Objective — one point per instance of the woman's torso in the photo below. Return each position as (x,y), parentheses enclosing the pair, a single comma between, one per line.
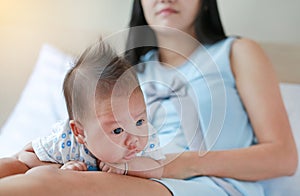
(210,84)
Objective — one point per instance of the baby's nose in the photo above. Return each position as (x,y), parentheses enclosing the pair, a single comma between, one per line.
(132,141)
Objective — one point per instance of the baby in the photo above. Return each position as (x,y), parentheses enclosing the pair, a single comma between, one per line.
(107,128)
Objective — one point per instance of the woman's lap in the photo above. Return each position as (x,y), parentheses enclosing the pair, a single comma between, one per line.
(204,185)
(200,186)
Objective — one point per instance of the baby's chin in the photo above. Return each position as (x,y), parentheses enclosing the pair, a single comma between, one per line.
(124,158)
(130,156)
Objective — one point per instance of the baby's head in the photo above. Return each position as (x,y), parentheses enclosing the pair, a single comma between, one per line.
(105,104)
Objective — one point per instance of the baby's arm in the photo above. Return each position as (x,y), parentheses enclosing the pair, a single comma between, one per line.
(29,158)
(11,166)
(143,167)
(21,162)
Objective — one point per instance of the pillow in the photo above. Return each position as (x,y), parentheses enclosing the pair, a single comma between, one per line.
(288,185)
(41,103)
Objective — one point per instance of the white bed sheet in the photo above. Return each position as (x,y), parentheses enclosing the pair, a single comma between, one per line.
(288,185)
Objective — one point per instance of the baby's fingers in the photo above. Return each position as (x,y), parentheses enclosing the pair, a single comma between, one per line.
(116,171)
(74,165)
(105,168)
(101,165)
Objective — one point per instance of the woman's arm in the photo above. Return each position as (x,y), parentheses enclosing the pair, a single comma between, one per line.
(276,153)
(21,162)
(142,167)
(145,167)
(52,181)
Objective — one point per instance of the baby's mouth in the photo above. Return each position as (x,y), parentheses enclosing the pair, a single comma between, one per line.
(130,155)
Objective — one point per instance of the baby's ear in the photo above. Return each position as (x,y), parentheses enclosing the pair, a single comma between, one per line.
(78,131)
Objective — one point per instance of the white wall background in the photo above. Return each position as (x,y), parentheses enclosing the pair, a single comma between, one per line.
(67,24)
(274,21)
(72,24)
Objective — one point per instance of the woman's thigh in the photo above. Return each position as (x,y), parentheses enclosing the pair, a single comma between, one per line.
(52,181)
(197,186)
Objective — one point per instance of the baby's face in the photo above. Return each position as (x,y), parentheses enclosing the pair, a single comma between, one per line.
(120,130)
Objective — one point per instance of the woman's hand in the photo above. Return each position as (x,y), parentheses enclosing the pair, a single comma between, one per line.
(116,168)
(74,165)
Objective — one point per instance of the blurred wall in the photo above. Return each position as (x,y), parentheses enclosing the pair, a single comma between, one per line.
(273,21)
(72,24)
(67,24)
(275,24)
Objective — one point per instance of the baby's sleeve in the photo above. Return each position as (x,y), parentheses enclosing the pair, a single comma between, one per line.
(43,148)
(153,149)
(47,148)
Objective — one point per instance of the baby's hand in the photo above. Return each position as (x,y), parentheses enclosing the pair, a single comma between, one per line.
(116,168)
(74,165)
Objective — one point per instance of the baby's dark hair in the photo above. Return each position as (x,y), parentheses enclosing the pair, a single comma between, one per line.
(92,79)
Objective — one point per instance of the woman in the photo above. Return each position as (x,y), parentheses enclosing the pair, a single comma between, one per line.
(253,141)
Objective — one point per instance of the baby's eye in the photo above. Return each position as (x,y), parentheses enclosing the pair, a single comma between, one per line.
(140,122)
(117,131)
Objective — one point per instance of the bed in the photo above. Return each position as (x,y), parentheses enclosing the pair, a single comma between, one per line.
(46,106)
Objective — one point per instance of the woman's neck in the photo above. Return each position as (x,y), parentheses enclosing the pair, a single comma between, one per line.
(175,50)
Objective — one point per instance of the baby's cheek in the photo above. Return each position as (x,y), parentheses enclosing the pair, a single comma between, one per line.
(144,141)
(111,155)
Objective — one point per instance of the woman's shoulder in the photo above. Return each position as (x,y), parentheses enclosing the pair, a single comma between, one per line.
(247,56)
(242,45)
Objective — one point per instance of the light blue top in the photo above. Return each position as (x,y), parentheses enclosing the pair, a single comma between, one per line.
(209,80)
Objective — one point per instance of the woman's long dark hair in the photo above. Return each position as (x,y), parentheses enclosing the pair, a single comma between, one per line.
(208,28)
